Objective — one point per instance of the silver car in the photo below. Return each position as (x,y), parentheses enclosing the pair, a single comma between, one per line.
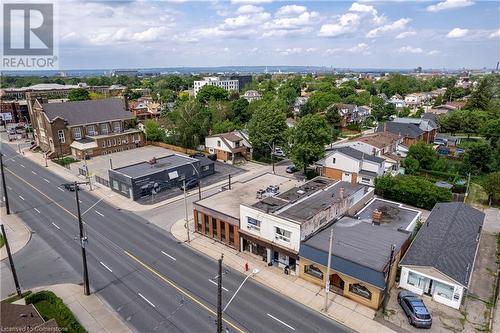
(415,309)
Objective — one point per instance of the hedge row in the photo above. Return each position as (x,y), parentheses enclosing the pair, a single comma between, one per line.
(412,190)
(55,308)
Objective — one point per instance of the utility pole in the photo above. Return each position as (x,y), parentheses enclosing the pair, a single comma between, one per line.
(272,156)
(219,296)
(7,207)
(388,280)
(327,282)
(11,262)
(83,242)
(467,190)
(186,208)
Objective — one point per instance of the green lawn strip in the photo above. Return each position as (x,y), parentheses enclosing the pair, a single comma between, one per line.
(15,297)
(2,241)
(52,307)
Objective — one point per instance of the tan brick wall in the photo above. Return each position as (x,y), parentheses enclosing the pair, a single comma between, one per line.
(332,173)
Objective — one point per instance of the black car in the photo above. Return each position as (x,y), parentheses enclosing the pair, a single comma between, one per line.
(71,187)
(415,309)
(197,155)
(291,169)
(190,183)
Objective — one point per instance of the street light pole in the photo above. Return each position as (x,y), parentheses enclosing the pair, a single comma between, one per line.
(83,243)
(186,208)
(219,296)
(254,271)
(327,283)
(11,262)
(7,207)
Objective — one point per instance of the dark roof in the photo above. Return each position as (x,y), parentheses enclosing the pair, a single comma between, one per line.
(368,173)
(88,112)
(404,129)
(359,155)
(165,163)
(19,316)
(448,241)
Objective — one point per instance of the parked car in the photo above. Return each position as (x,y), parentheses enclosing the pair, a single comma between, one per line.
(213,157)
(71,187)
(190,183)
(291,169)
(197,155)
(279,152)
(415,309)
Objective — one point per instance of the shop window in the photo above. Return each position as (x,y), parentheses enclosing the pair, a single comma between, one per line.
(214,227)
(282,234)
(415,280)
(116,185)
(231,234)
(205,221)
(313,271)
(198,221)
(443,290)
(124,189)
(360,290)
(253,224)
(223,231)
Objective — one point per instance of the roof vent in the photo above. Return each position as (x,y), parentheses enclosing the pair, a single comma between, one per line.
(152,161)
(301,192)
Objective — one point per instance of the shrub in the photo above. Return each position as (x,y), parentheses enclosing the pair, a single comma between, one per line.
(65,161)
(412,190)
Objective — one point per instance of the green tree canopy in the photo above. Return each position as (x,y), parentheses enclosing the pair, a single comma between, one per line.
(307,140)
(153,131)
(477,158)
(267,126)
(78,94)
(209,92)
(491,185)
(424,154)
(241,112)
(318,102)
(189,124)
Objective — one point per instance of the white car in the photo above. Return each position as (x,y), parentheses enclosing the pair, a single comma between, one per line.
(279,152)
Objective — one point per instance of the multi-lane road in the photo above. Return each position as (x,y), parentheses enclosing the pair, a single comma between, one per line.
(151,280)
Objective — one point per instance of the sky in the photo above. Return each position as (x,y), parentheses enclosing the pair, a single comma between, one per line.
(339,34)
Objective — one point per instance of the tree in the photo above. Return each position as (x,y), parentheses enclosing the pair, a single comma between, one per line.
(491,130)
(240,110)
(78,94)
(424,154)
(267,126)
(477,158)
(288,95)
(318,102)
(153,131)
(332,116)
(411,165)
(482,95)
(450,122)
(224,127)
(209,92)
(307,140)
(189,123)
(491,185)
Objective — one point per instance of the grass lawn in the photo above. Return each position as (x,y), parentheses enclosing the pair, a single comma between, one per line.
(15,297)
(477,195)
(2,242)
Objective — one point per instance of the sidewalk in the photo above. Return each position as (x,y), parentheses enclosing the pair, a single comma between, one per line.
(94,315)
(355,316)
(17,232)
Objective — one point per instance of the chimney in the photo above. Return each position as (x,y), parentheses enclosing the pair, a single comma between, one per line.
(376,216)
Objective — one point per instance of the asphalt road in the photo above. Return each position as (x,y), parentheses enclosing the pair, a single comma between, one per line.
(155,283)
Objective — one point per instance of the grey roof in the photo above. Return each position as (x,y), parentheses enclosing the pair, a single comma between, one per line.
(359,155)
(425,124)
(368,173)
(404,129)
(448,241)
(168,162)
(88,112)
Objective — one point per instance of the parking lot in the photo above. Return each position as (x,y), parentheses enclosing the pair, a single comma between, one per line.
(99,166)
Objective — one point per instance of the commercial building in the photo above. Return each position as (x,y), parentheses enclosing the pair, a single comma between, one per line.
(159,174)
(218,216)
(84,128)
(226,84)
(366,250)
(274,227)
(440,261)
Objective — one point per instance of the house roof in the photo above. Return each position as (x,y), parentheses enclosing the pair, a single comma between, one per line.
(230,136)
(24,318)
(359,155)
(448,241)
(404,129)
(379,139)
(87,112)
(425,124)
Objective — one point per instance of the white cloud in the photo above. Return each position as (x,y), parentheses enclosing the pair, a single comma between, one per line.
(410,49)
(360,8)
(346,23)
(457,33)
(249,9)
(149,35)
(251,2)
(394,26)
(433,52)
(495,34)
(291,10)
(406,34)
(362,48)
(449,4)
(295,50)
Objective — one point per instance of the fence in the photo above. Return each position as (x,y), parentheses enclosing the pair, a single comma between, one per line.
(173,147)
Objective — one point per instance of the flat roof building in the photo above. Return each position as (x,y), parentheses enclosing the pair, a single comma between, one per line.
(159,174)
(362,249)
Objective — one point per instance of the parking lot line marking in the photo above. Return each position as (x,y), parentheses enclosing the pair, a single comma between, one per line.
(98,213)
(22,165)
(10,188)
(60,189)
(33,172)
(281,322)
(216,284)
(147,300)
(181,290)
(55,225)
(46,180)
(106,266)
(168,255)
(21,198)
(37,210)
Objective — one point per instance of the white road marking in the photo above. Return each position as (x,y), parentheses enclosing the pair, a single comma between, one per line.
(98,213)
(33,172)
(55,225)
(60,189)
(147,300)
(80,200)
(46,180)
(21,198)
(281,322)
(22,165)
(168,255)
(106,266)
(37,210)
(216,284)
(10,188)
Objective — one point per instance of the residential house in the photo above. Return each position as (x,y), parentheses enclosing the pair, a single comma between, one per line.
(274,227)
(299,104)
(352,114)
(229,146)
(429,126)
(252,95)
(366,250)
(83,128)
(351,165)
(411,130)
(440,261)
(416,99)
(398,101)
